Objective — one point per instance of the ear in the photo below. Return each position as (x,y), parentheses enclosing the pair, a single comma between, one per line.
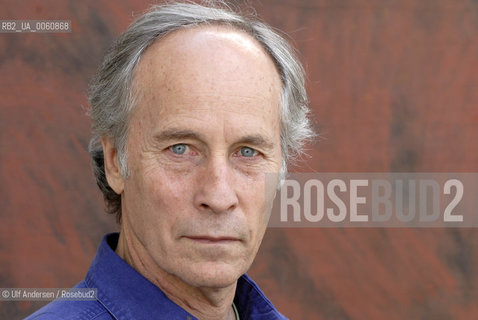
(112,166)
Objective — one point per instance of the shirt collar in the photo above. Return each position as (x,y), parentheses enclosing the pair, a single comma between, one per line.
(127,295)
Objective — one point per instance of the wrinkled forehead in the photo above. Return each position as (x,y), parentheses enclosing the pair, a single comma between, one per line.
(205,59)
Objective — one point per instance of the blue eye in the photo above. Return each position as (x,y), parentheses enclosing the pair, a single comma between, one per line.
(179,148)
(248,152)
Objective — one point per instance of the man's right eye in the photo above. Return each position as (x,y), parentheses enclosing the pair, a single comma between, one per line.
(179,148)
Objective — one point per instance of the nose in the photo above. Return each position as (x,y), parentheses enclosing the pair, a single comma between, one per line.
(215,190)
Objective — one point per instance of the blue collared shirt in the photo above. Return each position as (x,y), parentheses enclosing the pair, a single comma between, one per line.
(124,294)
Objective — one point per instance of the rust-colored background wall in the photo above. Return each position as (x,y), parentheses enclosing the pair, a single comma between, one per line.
(393,87)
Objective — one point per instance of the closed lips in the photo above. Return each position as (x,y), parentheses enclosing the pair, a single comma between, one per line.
(212,239)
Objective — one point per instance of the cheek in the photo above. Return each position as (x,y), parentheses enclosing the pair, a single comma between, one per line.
(253,205)
(158,201)
(170,196)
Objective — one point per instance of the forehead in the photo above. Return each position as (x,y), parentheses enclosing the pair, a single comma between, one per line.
(207,60)
(213,81)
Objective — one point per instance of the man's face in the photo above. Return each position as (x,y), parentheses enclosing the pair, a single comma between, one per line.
(205,131)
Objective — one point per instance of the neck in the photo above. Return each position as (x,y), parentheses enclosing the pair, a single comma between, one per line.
(203,303)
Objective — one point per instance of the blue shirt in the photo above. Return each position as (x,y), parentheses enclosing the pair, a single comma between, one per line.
(124,294)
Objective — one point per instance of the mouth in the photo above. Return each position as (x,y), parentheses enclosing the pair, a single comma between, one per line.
(212,240)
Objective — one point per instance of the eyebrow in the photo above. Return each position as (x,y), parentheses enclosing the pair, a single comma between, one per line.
(174,134)
(256,140)
(178,134)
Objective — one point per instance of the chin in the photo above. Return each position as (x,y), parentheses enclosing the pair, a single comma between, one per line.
(214,275)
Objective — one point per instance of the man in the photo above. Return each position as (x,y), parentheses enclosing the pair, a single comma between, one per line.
(190,109)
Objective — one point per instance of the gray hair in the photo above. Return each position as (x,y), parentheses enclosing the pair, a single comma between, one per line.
(112,98)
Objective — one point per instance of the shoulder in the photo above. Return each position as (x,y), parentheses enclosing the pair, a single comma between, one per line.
(72,310)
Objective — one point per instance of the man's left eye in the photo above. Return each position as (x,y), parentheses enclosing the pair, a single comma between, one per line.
(248,152)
